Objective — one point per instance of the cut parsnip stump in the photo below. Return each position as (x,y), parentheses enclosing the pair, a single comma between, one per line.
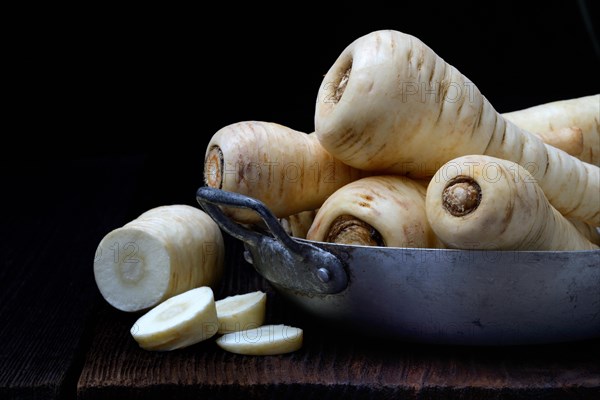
(180,321)
(164,252)
(389,103)
(558,123)
(480,202)
(241,312)
(287,170)
(376,211)
(264,341)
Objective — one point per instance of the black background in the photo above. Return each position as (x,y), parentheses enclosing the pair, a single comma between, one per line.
(159,81)
(110,110)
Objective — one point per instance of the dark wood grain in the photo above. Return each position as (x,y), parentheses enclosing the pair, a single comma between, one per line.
(330,365)
(54,217)
(56,211)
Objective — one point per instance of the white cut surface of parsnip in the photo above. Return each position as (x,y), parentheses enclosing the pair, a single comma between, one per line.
(178,322)
(241,312)
(263,341)
(165,251)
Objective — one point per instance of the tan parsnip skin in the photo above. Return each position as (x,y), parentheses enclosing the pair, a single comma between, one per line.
(375,211)
(390,103)
(591,233)
(569,140)
(286,169)
(481,202)
(297,225)
(558,123)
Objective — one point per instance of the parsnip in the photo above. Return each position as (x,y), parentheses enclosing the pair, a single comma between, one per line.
(263,341)
(241,312)
(591,233)
(481,202)
(287,170)
(178,322)
(562,120)
(297,225)
(375,211)
(165,251)
(569,140)
(390,103)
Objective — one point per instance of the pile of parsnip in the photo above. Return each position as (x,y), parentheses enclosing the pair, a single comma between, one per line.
(408,153)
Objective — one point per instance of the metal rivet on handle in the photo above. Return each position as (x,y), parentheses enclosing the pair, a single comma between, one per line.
(323,274)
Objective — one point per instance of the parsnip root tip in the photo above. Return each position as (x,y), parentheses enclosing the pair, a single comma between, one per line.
(461,196)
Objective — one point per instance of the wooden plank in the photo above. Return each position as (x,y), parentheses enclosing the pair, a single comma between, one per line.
(330,365)
(54,217)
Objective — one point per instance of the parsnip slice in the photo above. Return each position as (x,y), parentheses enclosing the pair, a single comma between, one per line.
(263,341)
(180,321)
(241,312)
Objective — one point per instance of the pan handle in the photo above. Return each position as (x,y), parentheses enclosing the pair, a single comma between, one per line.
(293,265)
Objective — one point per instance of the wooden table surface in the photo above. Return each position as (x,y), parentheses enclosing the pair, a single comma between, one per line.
(330,364)
(61,340)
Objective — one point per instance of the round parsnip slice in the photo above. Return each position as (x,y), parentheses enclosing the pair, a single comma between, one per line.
(180,321)
(264,341)
(165,251)
(241,312)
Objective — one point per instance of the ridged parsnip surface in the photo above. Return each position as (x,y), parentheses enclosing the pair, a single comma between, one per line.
(405,110)
(392,205)
(512,212)
(560,117)
(286,169)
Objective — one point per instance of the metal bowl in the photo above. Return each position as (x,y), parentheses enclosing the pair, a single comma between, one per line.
(425,295)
